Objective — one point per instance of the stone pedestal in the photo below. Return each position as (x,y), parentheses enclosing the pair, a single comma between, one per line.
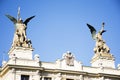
(103,60)
(21,53)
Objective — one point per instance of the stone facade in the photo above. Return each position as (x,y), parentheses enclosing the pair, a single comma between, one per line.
(17,68)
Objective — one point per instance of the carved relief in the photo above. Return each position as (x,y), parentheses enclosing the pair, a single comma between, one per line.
(69,58)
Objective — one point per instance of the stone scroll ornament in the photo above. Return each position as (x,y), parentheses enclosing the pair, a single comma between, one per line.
(20,39)
(100,46)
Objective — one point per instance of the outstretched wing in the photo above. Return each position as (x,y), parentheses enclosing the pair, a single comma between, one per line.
(102,32)
(12,19)
(28,19)
(92,30)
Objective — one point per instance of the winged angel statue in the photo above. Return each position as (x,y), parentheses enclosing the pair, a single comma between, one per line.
(100,46)
(20,31)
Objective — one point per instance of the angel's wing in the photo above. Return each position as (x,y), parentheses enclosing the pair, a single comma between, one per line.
(12,19)
(28,19)
(92,30)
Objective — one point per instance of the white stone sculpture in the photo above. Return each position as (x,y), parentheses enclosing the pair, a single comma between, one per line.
(69,58)
(100,46)
(20,39)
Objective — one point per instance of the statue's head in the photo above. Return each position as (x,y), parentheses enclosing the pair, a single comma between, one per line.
(20,20)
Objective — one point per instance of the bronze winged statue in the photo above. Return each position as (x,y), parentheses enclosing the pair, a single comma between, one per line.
(20,30)
(100,46)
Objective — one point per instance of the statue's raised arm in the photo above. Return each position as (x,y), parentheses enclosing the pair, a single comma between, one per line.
(102,29)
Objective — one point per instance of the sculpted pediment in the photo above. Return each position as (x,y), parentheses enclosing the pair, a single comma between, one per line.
(68,61)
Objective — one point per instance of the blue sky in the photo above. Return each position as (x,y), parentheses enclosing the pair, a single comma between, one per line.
(60,26)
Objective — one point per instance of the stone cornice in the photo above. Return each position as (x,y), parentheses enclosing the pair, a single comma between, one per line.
(85,73)
(19,48)
(81,73)
(107,56)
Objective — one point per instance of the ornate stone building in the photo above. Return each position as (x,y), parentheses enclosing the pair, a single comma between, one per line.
(22,66)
